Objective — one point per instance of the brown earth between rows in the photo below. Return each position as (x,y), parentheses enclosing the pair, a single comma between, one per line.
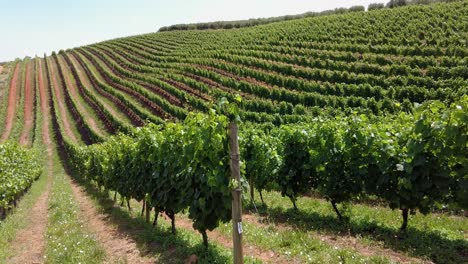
(61,104)
(11,110)
(73,90)
(266,256)
(28,107)
(29,243)
(117,246)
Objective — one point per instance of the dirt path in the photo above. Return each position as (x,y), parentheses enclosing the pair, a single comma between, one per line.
(73,90)
(61,103)
(28,106)
(266,256)
(30,242)
(119,248)
(340,241)
(11,110)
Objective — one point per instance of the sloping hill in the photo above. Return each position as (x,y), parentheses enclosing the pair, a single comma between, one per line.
(350,77)
(378,61)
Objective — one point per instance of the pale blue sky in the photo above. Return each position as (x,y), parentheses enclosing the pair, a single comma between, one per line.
(30,27)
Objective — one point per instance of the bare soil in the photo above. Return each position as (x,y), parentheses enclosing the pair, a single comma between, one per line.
(12,100)
(87,84)
(61,103)
(73,90)
(118,247)
(28,107)
(44,106)
(29,243)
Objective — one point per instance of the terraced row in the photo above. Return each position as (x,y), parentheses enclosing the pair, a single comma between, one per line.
(285,72)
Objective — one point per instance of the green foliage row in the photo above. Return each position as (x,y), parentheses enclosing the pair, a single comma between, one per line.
(169,108)
(135,113)
(323,75)
(87,132)
(109,122)
(19,167)
(410,161)
(175,166)
(104,90)
(199,86)
(339,62)
(328,75)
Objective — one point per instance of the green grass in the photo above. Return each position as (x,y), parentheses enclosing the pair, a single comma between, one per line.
(67,239)
(67,114)
(158,242)
(88,112)
(299,245)
(38,115)
(437,237)
(18,120)
(19,218)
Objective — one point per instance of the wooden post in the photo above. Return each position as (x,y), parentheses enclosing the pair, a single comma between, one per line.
(236,194)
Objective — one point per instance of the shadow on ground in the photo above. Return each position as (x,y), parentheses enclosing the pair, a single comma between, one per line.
(414,242)
(151,241)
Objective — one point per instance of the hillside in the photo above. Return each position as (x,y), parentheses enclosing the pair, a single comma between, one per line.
(380,61)
(344,117)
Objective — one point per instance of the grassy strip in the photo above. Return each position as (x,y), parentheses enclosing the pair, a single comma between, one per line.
(86,110)
(88,134)
(38,115)
(18,121)
(298,244)
(118,119)
(441,238)
(107,92)
(136,105)
(33,80)
(158,242)
(19,218)
(67,239)
(54,103)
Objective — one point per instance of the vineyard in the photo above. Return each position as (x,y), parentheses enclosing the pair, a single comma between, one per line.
(353,139)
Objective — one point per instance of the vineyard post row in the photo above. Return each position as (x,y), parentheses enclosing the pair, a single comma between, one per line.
(236,193)
(411,161)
